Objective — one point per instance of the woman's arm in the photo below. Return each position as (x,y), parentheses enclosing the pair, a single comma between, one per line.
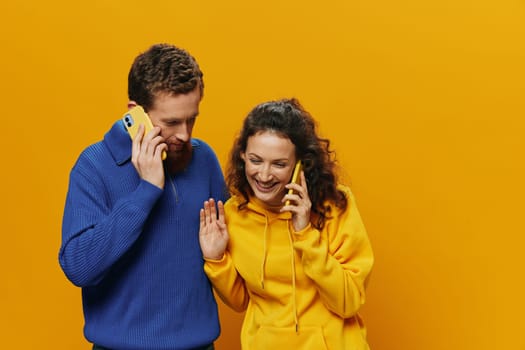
(338,259)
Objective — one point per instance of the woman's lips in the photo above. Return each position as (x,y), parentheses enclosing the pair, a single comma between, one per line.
(262,187)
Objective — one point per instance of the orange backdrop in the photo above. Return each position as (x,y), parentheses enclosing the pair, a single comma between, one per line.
(423,101)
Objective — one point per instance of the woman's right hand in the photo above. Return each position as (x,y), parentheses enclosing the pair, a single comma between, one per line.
(213,233)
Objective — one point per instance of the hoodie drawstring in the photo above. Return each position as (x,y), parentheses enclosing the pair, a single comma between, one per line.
(263,264)
(292,254)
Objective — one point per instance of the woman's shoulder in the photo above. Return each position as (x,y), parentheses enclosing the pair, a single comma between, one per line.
(350,200)
(345,189)
(233,202)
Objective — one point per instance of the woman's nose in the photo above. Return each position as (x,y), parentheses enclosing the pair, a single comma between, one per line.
(265,173)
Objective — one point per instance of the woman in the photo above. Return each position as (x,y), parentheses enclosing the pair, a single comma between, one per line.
(298,268)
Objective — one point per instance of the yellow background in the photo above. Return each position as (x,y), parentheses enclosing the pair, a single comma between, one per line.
(423,101)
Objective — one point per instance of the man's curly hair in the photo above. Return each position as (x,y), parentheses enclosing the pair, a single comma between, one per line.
(163,68)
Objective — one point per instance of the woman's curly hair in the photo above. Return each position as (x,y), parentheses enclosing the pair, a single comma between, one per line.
(288,118)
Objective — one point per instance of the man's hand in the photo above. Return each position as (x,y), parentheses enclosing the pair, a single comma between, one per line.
(146,155)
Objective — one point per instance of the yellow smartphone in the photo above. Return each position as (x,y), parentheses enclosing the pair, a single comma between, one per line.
(133,118)
(295,177)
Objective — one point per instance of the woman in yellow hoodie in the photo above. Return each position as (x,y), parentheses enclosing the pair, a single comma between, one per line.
(297,261)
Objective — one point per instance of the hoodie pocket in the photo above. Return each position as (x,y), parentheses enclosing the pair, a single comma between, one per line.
(275,338)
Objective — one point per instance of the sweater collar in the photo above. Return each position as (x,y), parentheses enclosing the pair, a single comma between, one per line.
(118,142)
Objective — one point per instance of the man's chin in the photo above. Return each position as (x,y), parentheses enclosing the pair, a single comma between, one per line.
(178,161)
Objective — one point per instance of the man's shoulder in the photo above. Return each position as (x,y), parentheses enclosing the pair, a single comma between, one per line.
(99,152)
(93,151)
(202,148)
(198,144)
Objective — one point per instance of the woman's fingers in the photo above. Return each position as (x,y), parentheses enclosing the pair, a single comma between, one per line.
(220,205)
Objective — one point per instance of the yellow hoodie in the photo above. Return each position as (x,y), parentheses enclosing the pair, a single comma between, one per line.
(300,290)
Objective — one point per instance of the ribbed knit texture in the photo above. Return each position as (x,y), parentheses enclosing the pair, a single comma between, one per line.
(134,248)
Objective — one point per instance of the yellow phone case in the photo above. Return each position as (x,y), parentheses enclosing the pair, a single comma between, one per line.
(133,118)
(295,177)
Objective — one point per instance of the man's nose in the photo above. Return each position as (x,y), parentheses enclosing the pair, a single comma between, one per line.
(183,132)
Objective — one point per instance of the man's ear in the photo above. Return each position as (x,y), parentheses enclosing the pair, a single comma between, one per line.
(132,104)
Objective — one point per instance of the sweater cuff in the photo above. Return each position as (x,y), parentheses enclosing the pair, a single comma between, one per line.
(146,195)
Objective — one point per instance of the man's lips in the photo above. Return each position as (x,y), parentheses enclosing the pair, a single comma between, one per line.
(176,147)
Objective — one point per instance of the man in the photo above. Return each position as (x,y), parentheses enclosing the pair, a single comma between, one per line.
(131,220)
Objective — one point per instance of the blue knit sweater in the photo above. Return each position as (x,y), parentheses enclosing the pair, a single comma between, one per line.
(134,248)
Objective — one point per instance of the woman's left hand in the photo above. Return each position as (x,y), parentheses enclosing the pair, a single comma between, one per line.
(299,205)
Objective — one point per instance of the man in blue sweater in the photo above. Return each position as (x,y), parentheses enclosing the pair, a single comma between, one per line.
(130,233)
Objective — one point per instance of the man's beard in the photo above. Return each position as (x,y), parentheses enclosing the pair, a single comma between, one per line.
(178,161)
